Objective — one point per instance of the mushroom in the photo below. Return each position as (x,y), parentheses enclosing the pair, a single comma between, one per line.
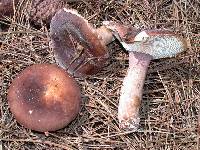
(142,47)
(43,97)
(78,47)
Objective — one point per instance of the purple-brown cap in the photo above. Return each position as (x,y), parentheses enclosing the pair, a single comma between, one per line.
(39,10)
(157,43)
(44,97)
(6,7)
(45,10)
(76,44)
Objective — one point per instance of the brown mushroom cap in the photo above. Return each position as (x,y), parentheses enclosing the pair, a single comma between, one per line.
(39,10)
(125,33)
(6,7)
(44,98)
(76,44)
(45,10)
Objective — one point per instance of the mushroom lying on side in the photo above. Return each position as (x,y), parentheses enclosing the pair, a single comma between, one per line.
(78,47)
(143,47)
(44,97)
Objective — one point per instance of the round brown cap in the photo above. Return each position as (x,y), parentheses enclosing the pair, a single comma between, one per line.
(44,97)
(76,44)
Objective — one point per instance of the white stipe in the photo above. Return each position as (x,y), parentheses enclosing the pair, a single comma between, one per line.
(141,36)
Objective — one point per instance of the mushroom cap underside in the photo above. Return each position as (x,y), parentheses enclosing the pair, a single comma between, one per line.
(44,98)
(157,43)
(76,45)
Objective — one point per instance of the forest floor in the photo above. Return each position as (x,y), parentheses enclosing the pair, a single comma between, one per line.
(170,103)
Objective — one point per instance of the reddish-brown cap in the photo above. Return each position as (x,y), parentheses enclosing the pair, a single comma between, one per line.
(6,7)
(45,10)
(39,10)
(157,43)
(44,97)
(76,44)
(125,33)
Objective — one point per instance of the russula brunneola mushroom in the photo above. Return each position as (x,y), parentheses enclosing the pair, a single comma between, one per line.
(78,47)
(145,46)
(43,97)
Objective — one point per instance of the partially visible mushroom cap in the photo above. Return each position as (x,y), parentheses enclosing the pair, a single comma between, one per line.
(125,33)
(45,10)
(6,7)
(44,97)
(76,44)
(39,10)
(157,43)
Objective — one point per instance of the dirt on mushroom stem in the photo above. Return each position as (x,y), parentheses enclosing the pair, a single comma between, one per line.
(131,91)
(142,47)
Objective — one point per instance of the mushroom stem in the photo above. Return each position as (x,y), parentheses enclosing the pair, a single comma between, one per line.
(131,91)
(105,35)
